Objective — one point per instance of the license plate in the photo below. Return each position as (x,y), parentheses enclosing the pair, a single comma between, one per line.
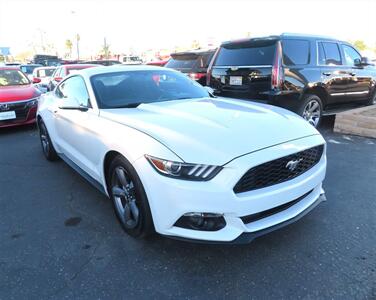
(7,115)
(235,80)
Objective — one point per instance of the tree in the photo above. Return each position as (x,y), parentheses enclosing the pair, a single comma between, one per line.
(360,45)
(69,46)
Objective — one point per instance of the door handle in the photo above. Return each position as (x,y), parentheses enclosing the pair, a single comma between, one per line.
(326,73)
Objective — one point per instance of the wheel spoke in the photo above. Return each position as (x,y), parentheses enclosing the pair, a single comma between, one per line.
(118,192)
(121,177)
(314,107)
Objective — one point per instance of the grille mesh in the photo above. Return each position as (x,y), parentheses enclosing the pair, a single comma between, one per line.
(277,171)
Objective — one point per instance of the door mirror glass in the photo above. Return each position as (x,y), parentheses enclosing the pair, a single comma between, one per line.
(357,62)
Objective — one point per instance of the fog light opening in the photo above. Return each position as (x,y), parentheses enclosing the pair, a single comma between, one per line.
(201,221)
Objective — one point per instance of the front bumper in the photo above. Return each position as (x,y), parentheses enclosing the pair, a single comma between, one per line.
(169,198)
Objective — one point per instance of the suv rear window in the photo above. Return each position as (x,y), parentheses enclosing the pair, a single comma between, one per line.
(247,53)
(295,52)
(182,62)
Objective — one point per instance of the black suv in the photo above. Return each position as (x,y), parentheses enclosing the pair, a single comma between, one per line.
(309,75)
(193,63)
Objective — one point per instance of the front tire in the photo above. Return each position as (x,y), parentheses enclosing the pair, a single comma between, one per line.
(129,198)
(372,100)
(45,140)
(311,109)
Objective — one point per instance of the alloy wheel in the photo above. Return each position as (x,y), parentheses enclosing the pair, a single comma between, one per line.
(312,112)
(123,192)
(44,139)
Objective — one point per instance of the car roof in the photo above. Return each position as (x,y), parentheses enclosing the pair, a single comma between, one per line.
(9,68)
(199,51)
(283,36)
(72,66)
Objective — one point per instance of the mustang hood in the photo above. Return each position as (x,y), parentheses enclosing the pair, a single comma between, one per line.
(213,130)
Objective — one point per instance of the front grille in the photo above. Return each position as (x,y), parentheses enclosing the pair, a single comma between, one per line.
(267,213)
(21,109)
(279,170)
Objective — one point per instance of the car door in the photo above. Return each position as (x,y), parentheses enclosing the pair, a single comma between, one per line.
(76,123)
(360,85)
(335,75)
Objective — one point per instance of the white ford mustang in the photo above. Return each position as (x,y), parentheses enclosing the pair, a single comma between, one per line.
(179,161)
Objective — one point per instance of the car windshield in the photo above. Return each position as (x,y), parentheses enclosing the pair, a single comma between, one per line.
(127,88)
(12,77)
(45,73)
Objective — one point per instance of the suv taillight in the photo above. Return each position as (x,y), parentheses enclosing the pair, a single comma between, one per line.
(196,76)
(277,72)
(209,70)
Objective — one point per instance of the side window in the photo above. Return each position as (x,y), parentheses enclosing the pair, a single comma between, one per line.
(332,54)
(350,55)
(59,91)
(74,89)
(295,52)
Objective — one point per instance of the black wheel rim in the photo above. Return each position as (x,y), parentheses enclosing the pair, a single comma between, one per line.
(124,196)
(44,139)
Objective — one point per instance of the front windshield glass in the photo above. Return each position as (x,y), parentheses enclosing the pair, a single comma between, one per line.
(12,77)
(122,89)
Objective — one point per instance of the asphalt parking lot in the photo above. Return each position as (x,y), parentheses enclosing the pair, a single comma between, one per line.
(59,238)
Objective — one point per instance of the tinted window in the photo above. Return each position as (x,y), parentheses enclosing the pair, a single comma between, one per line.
(332,54)
(246,54)
(295,52)
(182,62)
(119,89)
(350,55)
(75,90)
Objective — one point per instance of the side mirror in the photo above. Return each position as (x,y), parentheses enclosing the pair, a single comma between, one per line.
(58,79)
(364,61)
(36,80)
(73,104)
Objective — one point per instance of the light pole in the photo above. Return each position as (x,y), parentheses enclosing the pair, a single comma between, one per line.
(77,35)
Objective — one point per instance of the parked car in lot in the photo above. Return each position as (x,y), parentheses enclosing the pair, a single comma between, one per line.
(103,62)
(64,70)
(158,63)
(131,60)
(41,77)
(175,159)
(18,98)
(192,63)
(310,75)
(28,69)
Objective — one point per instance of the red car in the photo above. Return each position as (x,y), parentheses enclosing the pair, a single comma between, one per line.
(65,70)
(159,63)
(18,98)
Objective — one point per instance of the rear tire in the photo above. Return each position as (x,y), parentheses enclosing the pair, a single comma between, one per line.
(45,140)
(311,109)
(129,198)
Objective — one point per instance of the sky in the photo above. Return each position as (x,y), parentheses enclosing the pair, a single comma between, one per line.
(143,24)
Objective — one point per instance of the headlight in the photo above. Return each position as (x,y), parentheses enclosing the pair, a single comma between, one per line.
(184,171)
(33,102)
